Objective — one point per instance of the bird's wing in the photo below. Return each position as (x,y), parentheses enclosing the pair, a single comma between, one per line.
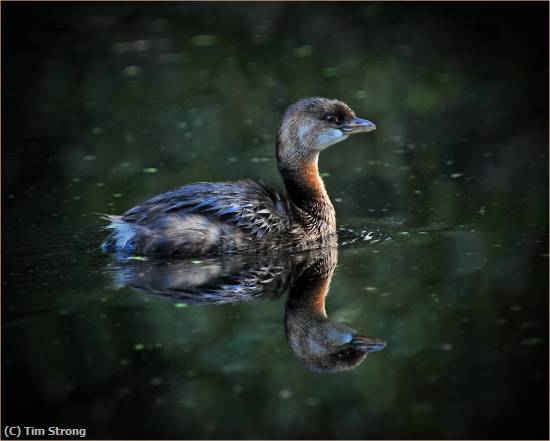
(217,280)
(252,207)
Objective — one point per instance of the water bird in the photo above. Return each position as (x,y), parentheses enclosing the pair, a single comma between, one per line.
(319,343)
(207,218)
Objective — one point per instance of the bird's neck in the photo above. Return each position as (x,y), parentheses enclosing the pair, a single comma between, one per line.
(307,191)
(310,289)
(305,315)
(307,298)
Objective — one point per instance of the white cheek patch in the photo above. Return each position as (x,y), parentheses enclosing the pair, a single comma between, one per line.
(339,337)
(303,133)
(328,138)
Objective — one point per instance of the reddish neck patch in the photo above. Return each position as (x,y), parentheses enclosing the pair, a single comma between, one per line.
(307,191)
(312,180)
(303,183)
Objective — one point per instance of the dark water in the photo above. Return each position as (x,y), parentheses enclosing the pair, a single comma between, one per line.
(104,105)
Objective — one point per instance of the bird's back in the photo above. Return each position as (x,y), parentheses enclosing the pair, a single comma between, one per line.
(205,218)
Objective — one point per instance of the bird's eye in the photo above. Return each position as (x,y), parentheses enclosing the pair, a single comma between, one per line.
(343,354)
(334,119)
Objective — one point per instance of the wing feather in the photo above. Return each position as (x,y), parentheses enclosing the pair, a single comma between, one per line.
(255,208)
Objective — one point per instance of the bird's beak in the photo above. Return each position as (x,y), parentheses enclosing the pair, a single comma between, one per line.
(367,344)
(358,125)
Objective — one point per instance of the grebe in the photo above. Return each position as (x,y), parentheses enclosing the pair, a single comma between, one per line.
(216,218)
(319,343)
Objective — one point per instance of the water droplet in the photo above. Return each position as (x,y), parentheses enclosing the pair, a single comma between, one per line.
(204,40)
(132,71)
(129,138)
(303,51)
(330,72)
(361,94)
(141,45)
(121,47)
(285,394)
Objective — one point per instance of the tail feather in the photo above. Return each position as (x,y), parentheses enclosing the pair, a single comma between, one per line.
(121,235)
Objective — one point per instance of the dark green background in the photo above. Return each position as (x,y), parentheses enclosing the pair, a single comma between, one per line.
(106,104)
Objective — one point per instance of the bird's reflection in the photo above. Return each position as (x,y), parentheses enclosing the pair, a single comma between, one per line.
(321,345)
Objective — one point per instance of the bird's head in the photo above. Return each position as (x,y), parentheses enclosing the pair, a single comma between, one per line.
(313,124)
(330,347)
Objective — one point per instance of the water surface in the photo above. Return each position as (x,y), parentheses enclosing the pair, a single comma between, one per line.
(443,248)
